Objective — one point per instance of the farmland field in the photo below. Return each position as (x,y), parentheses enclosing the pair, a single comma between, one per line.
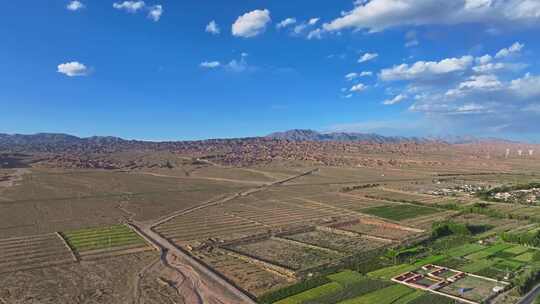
(383,296)
(33,252)
(400,212)
(286,254)
(106,241)
(338,242)
(380,229)
(250,277)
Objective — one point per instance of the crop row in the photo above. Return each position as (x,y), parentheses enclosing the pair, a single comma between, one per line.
(32,252)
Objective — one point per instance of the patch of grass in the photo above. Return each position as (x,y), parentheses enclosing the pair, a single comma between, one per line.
(314,293)
(517,250)
(430,298)
(477,265)
(102,238)
(492,272)
(429,260)
(525,257)
(352,290)
(400,212)
(392,271)
(508,265)
(454,263)
(464,250)
(386,295)
(410,297)
(488,251)
(347,277)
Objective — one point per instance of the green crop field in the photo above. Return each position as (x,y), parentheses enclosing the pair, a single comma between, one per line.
(433,259)
(488,251)
(317,292)
(347,277)
(386,295)
(465,250)
(410,297)
(354,286)
(517,250)
(392,271)
(430,298)
(525,257)
(477,265)
(400,212)
(101,238)
(509,265)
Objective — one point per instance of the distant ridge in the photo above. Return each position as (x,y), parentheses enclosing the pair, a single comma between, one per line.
(60,142)
(311,135)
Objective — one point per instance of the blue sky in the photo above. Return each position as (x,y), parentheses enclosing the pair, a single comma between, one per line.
(158,70)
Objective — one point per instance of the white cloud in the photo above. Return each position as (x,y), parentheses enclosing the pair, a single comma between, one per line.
(75,5)
(426,69)
(251,24)
(314,34)
(353,75)
(513,49)
(411,39)
(368,57)
(378,15)
(489,67)
(210,64)
(358,87)
(527,87)
(129,6)
(313,21)
(155,12)
(484,59)
(235,65)
(399,98)
(286,22)
(73,69)
(213,28)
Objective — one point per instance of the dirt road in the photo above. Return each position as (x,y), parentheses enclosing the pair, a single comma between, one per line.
(196,283)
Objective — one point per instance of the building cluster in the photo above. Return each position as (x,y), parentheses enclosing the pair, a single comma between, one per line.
(528,196)
(458,190)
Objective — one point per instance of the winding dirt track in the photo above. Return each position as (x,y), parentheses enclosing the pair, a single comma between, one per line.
(193,281)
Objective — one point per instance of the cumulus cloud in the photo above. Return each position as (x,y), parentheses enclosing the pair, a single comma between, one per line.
(251,24)
(213,28)
(313,21)
(75,5)
(354,75)
(487,93)
(513,49)
(368,57)
(314,34)
(427,69)
(210,64)
(286,22)
(399,98)
(378,15)
(129,6)
(358,87)
(72,69)
(155,12)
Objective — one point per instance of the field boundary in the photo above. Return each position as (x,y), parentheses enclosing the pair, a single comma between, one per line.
(75,256)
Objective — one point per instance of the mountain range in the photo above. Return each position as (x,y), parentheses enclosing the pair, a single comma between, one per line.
(40,141)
